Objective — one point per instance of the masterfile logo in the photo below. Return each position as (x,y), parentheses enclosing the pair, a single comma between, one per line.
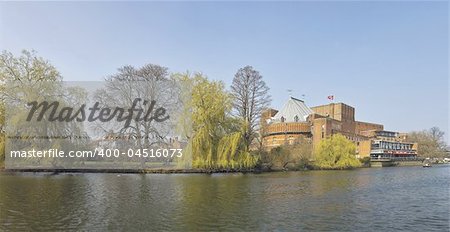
(110,124)
(95,113)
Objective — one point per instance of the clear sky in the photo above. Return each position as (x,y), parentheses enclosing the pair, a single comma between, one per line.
(389,60)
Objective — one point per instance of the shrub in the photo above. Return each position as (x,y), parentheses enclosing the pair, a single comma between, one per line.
(336,152)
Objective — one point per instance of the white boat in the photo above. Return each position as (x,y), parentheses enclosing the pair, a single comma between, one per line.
(426,165)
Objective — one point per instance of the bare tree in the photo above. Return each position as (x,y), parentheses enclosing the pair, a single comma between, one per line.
(430,142)
(251,97)
(438,136)
(150,83)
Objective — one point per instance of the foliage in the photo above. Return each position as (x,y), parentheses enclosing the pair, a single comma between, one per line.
(26,78)
(26,67)
(430,142)
(185,84)
(292,156)
(250,97)
(365,161)
(277,158)
(25,70)
(216,138)
(336,152)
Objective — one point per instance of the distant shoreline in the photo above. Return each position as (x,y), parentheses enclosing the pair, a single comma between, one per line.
(130,171)
(172,171)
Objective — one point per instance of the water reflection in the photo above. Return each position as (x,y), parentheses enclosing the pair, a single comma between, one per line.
(367,199)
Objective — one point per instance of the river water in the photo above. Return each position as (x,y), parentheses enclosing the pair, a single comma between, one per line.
(371,199)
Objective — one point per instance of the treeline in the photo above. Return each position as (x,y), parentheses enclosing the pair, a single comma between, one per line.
(219,126)
(336,152)
(216,138)
(430,142)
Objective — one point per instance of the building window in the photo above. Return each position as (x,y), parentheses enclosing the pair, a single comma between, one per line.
(282,119)
(296,118)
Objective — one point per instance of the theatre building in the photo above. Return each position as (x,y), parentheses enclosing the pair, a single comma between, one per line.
(297,120)
(388,144)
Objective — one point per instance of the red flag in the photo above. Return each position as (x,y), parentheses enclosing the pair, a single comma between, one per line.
(331,97)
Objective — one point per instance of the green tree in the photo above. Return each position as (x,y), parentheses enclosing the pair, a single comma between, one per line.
(18,77)
(336,152)
(215,137)
(26,78)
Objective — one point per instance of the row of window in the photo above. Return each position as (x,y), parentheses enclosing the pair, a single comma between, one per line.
(296,119)
(386,134)
(291,140)
(392,146)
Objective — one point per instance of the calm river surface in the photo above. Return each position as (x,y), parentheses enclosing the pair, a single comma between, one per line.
(375,199)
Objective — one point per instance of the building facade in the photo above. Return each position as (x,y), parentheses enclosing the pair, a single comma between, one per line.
(389,144)
(297,120)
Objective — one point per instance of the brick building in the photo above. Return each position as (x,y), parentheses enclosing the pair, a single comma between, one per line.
(296,120)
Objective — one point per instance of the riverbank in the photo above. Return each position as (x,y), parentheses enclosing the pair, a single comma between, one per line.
(184,171)
(132,171)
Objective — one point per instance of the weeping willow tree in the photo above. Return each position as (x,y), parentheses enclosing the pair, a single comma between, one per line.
(215,138)
(29,78)
(336,152)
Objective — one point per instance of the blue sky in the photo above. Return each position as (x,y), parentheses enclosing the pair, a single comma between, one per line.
(387,59)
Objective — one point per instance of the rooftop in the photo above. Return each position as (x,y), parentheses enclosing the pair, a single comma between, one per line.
(295,110)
